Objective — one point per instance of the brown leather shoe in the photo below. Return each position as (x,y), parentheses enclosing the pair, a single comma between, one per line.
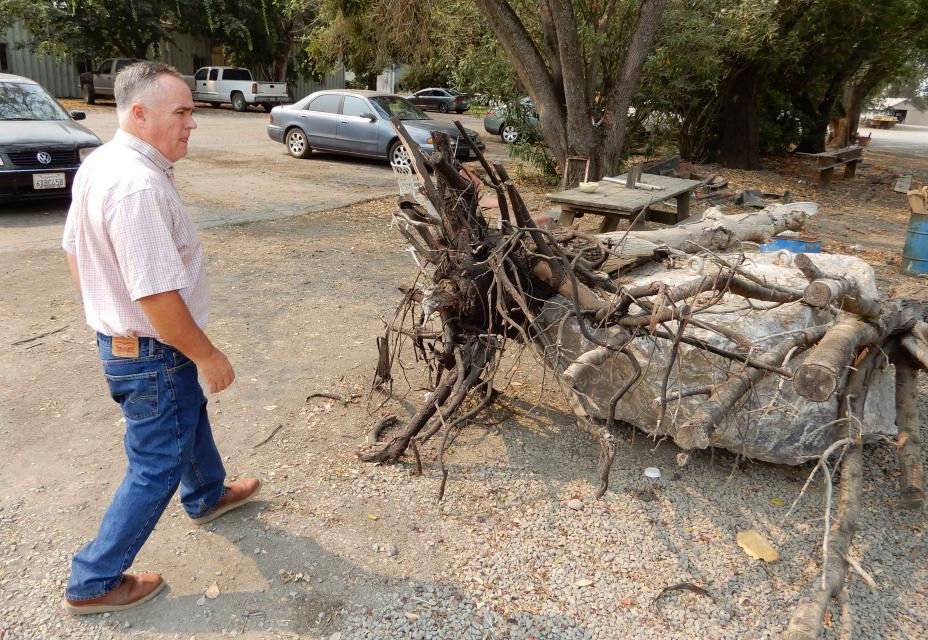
(131,592)
(238,493)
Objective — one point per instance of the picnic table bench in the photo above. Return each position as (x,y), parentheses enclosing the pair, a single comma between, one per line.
(614,201)
(827,161)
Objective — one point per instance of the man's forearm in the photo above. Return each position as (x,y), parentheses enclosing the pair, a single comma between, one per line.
(169,315)
(75,276)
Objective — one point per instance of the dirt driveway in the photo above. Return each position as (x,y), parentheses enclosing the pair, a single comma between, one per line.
(335,549)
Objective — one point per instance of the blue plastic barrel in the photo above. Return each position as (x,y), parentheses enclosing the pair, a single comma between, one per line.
(915,252)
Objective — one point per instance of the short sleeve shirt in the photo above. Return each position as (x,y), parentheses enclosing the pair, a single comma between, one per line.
(132,238)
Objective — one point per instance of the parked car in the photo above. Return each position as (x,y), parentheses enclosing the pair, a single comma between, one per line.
(358,123)
(509,122)
(235,85)
(440,99)
(99,83)
(41,145)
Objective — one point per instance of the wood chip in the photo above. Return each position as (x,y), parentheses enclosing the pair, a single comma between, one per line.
(757,546)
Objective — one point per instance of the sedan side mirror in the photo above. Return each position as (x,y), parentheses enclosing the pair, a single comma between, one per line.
(78,115)
(369,116)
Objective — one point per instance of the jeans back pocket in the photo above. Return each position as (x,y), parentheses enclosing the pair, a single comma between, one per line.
(137,394)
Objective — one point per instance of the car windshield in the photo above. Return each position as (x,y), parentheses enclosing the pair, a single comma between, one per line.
(21,101)
(402,108)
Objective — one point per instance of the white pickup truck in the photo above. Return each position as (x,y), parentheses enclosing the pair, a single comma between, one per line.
(218,85)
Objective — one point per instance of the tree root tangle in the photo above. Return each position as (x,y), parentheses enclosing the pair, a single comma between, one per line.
(483,288)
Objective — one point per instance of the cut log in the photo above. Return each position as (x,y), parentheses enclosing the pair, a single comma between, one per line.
(908,443)
(827,365)
(841,291)
(715,232)
(824,371)
(917,347)
(696,433)
(808,616)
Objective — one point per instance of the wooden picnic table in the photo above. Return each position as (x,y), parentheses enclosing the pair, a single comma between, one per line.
(826,162)
(615,201)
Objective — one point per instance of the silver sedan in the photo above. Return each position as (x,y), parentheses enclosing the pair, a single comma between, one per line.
(358,123)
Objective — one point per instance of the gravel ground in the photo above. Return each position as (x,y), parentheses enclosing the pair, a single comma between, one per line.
(337,550)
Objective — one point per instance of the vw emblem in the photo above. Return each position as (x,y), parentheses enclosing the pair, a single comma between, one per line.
(44,157)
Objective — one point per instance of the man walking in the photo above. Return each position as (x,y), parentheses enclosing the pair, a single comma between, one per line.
(136,257)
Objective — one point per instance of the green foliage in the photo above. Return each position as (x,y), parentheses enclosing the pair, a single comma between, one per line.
(807,52)
(95,29)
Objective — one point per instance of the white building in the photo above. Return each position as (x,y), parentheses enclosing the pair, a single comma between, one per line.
(906,110)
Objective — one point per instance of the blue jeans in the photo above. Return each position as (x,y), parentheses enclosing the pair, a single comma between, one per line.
(168,443)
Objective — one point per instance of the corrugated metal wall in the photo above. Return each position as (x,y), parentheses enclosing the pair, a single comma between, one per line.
(303,87)
(58,75)
(186,54)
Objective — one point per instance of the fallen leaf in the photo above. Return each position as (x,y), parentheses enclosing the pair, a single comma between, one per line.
(213,592)
(628,602)
(777,502)
(583,582)
(373,516)
(756,545)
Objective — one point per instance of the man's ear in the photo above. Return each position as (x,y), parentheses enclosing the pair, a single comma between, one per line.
(138,112)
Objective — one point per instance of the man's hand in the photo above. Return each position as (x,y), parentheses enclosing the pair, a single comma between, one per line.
(169,315)
(216,371)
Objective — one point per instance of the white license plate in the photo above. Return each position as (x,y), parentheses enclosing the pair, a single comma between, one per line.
(48,181)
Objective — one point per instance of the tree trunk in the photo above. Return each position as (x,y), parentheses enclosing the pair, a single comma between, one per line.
(852,101)
(739,147)
(620,97)
(372,81)
(558,77)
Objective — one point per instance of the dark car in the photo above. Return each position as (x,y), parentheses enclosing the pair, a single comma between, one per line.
(41,146)
(358,123)
(440,99)
(509,122)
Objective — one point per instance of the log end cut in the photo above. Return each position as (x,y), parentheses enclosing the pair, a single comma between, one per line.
(815,382)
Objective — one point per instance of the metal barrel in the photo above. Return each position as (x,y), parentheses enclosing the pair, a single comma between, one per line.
(915,252)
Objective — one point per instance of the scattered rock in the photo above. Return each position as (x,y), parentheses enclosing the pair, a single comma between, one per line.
(575,504)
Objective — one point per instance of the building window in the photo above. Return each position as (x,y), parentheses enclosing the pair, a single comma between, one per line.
(4,64)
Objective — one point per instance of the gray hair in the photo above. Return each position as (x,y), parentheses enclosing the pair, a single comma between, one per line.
(139,81)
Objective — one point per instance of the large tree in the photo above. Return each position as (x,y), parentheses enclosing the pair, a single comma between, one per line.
(580,63)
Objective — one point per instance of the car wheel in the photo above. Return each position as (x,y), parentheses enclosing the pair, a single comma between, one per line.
(398,154)
(298,144)
(509,134)
(87,94)
(238,102)
(443,107)
(215,105)
(267,106)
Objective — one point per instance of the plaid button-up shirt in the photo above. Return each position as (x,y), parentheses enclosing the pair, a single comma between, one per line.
(132,238)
